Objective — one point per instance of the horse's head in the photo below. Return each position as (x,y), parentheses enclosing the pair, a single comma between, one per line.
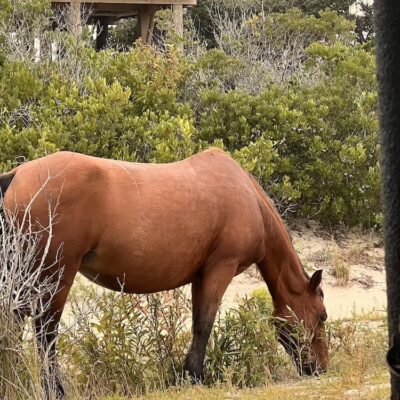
(300,327)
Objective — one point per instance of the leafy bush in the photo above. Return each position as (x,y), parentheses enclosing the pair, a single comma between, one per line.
(131,344)
(310,139)
(127,344)
(243,349)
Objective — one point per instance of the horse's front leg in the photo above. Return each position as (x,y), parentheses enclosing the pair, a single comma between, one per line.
(207,292)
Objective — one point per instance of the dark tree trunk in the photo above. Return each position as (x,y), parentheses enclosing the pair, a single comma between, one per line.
(387,17)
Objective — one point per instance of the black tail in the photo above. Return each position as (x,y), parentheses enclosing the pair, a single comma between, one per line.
(5,180)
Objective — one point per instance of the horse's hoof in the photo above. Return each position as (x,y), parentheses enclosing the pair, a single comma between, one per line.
(193,377)
(60,392)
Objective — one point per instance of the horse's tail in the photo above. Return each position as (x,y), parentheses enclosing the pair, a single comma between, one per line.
(5,181)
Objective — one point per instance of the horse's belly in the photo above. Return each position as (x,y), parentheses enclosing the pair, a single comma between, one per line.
(126,274)
(128,285)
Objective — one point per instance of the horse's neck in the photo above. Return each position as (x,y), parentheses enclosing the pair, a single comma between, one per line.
(281,268)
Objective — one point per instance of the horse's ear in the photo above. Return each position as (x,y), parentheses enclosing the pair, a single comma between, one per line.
(315,280)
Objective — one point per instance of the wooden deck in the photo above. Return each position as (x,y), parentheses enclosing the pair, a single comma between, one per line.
(123,8)
(105,12)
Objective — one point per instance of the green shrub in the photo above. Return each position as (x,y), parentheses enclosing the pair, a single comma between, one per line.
(126,344)
(243,349)
(131,344)
(311,140)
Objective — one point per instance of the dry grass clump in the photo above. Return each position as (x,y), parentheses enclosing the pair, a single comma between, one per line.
(24,300)
(340,269)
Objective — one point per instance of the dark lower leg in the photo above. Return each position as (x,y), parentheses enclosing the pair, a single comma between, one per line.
(46,334)
(207,294)
(194,362)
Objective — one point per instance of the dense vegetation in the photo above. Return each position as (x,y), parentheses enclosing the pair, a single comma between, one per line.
(291,95)
(287,89)
(132,344)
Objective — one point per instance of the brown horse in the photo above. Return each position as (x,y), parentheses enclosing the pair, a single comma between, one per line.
(157,227)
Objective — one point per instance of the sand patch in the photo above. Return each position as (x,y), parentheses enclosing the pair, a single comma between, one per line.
(361,252)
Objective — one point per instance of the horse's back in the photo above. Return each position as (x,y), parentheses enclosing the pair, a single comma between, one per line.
(151,225)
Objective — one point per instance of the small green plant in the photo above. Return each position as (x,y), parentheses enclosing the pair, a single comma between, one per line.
(243,349)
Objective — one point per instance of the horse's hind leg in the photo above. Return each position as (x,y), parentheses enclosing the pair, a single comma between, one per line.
(46,334)
(207,292)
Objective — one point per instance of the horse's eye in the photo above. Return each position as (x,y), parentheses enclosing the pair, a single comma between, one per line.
(323,317)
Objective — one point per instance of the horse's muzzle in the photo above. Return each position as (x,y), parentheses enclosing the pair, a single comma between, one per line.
(311,369)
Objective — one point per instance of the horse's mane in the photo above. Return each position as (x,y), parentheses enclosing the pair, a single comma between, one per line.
(275,211)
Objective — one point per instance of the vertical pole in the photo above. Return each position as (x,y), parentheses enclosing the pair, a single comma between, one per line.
(54,51)
(74,18)
(146,23)
(387,17)
(102,32)
(36,46)
(54,45)
(145,26)
(177,16)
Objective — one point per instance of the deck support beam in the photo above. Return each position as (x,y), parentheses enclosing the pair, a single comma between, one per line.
(102,32)
(74,18)
(177,18)
(144,10)
(145,24)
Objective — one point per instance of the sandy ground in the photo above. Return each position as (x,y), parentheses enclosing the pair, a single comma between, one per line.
(361,253)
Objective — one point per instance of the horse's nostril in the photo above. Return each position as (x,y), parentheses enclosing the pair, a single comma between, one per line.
(308,369)
(322,370)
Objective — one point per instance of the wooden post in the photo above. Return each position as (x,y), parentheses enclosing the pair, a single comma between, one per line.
(102,32)
(146,23)
(36,46)
(177,16)
(74,18)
